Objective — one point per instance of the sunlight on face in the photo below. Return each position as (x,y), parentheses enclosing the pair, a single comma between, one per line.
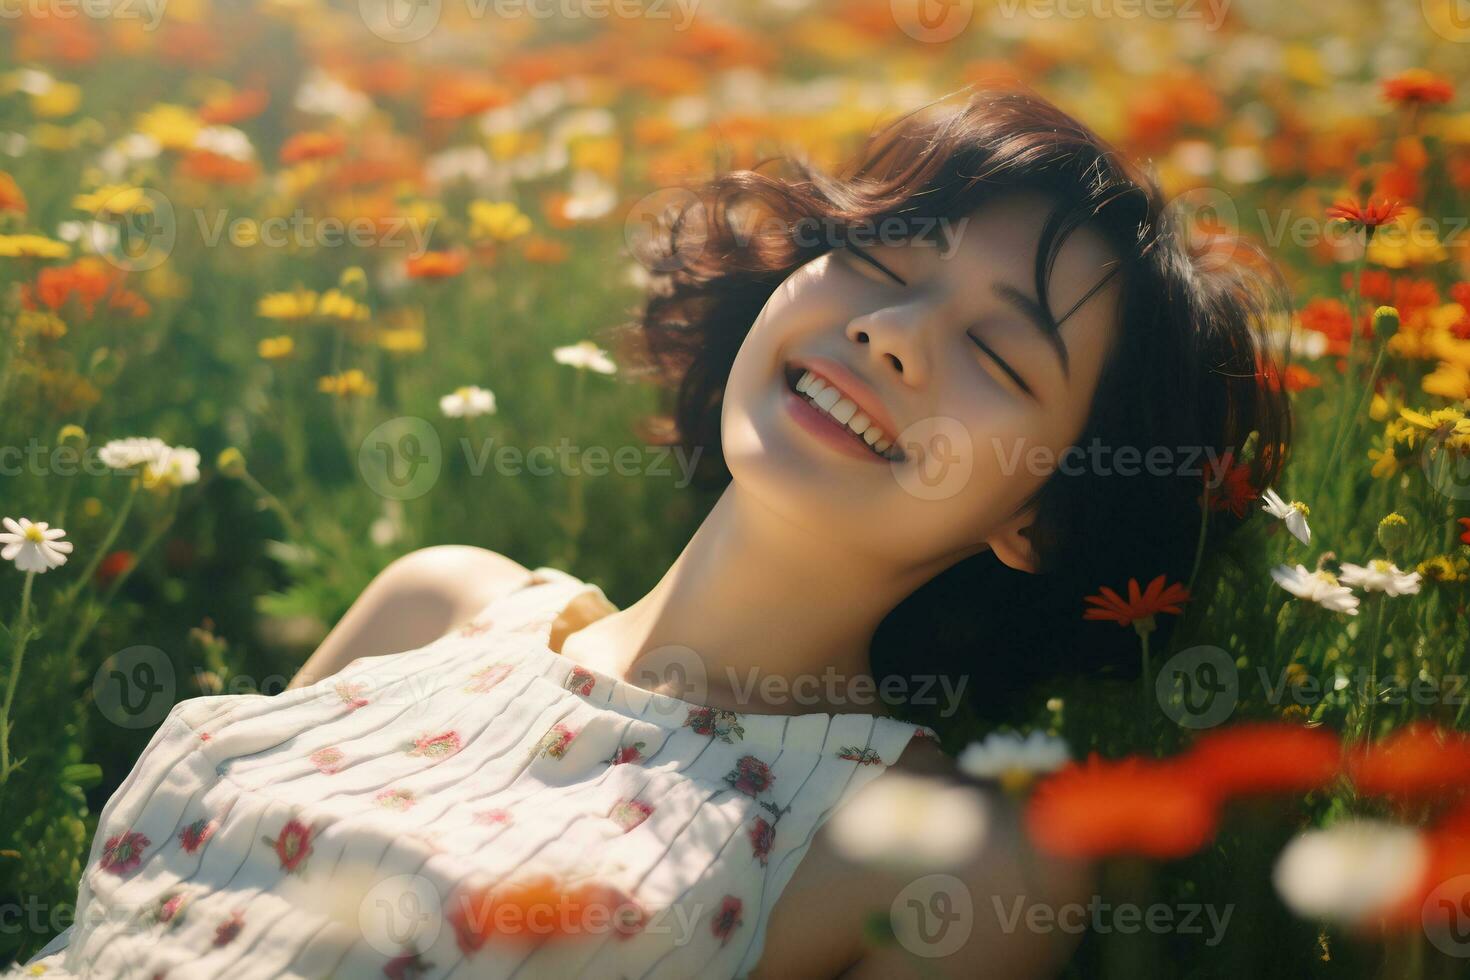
(941,348)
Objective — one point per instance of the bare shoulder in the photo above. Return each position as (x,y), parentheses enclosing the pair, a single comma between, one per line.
(976,918)
(415,599)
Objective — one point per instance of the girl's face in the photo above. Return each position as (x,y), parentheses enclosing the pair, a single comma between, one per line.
(941,350)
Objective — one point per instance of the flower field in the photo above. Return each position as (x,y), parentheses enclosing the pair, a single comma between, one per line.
(289,289)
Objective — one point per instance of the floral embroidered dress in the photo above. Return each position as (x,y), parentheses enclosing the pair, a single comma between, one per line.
(382,821)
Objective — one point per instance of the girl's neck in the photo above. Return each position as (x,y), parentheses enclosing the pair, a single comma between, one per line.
(757,615)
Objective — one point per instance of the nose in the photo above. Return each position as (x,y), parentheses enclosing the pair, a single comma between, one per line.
(894,338)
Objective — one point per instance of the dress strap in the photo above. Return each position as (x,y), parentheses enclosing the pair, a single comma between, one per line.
(535,606)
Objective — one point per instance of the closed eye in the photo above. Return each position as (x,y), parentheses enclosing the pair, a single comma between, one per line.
(864,256)
(1000,362)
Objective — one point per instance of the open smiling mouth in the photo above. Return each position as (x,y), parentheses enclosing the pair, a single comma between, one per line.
(841,412)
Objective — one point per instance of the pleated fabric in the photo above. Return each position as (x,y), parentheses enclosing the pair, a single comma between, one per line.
(403,817)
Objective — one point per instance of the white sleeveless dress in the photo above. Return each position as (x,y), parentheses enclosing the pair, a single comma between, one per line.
(478,807)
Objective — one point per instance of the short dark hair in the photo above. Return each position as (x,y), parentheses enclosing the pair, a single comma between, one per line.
(1190,370)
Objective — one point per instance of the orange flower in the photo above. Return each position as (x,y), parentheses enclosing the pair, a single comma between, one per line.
(1133,806)
(1263,757)
(457,98)
(436,265)
(215,168)
(234,108)
(1418,761)
(1299,378)
(537,909)
(1418,87)
(1331,317)
(312,146)
(1372,215)
(539,248)
(11,198)
(1140,606)
(83,286)
(1231,491)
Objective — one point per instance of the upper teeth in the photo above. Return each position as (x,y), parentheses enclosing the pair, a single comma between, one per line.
(825,395)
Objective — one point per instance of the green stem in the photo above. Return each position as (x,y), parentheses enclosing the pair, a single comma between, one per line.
(1347,371)
(19,635)
(100,551)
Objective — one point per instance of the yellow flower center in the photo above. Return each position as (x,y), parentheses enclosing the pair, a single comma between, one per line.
(33,533)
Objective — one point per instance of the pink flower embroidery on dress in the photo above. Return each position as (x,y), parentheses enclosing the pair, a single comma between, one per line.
(862,756)
(630,813)
(556,740)
(762,836)
(351,694)
(197,834)
(495,816)
(726,919)
(750,776)
(293,845)
(627,753)
(124,852)
(716,723)
(485,678)
(395,799)
(435,746)
(580,681)
(169,910)
(407,965)
(475,627)
(327,760)
(226,931)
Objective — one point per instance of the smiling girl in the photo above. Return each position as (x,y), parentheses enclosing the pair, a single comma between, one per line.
(562,787)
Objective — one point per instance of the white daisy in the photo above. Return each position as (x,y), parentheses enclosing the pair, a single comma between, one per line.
(127,454)
(176,466)
(33,547)
(586,356)
(911,822)
(1320,587)
(1351,871)
(1380,576)
(468,402)
(1294,514)
(1012,760)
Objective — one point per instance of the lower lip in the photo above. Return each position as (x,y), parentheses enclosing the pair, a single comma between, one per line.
(826,428)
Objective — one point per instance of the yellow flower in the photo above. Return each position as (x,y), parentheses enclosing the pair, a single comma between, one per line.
(114,199)
(32,247)
(60,99)
(1444,568)
(298,304)
(1406,241)
(1385,463)
(499,221)
(275,348)
(173,126)
(1448,381)
(600,154)
(402,340)
(230,463)
(337,305)
(1441,420)
(348,384)
(41,323)
(1381,408)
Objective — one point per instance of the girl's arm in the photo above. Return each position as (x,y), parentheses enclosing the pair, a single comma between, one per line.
(415,600)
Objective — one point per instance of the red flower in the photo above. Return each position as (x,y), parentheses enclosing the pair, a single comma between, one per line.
(436,265)
(628,814)
(581,681)
(556,740)
(1418,87)
(627,753)
(227,930)
(750,776)
(726,920)
(11,198)
(1231,491)
(293,845)
(1299,378)
(83,286)
(1140,606)
(407,965)
(762,836)
(435,746)
(1465,523)
(115,564)
(312,146)
(1418,761)
(1263,757)
(124,852)
(1374,214)
(197,834)
(1133,806)
(234,108)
